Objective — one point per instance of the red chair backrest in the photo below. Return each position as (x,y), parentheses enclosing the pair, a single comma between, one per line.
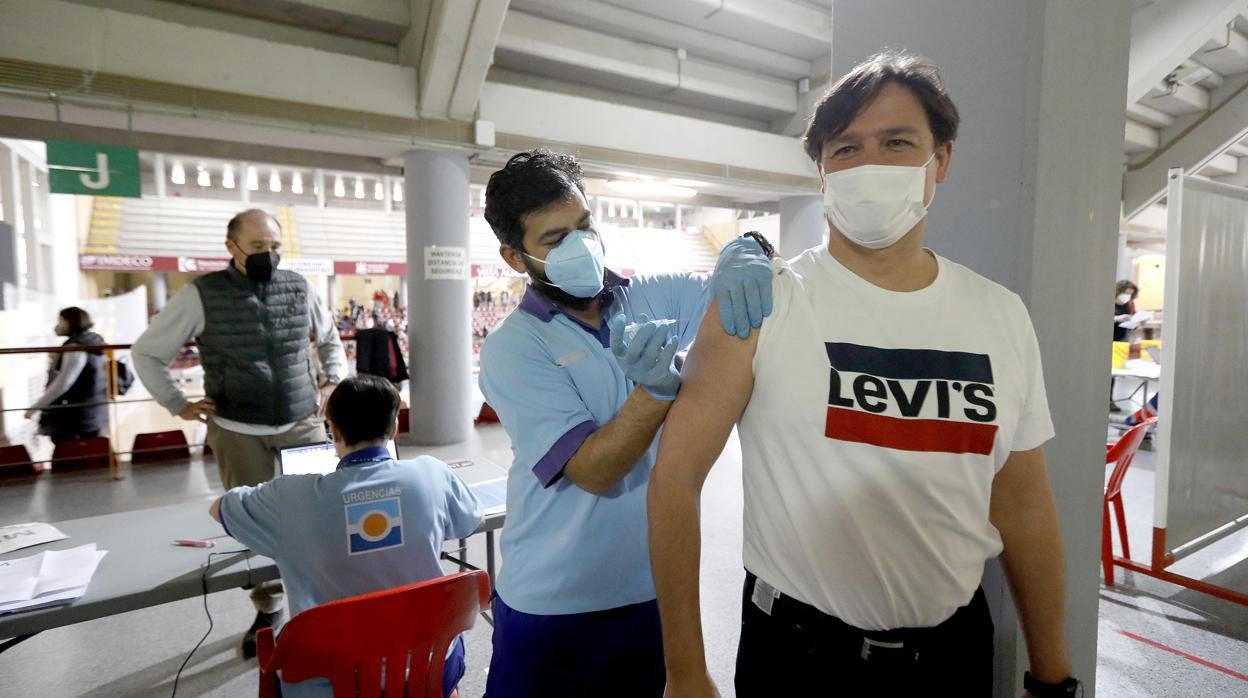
(1122,453)
(409,628)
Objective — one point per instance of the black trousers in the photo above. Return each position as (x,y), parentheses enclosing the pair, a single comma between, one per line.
(798,647)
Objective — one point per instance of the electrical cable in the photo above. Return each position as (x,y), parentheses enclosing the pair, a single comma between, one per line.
(203,580)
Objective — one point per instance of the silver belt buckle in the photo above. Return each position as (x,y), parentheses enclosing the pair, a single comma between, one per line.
(868,643)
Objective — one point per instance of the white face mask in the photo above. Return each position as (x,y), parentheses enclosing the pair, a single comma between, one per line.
(1124,298)
(876,205)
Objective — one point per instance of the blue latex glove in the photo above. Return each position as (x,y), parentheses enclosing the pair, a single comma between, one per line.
(742,285)
(645,350)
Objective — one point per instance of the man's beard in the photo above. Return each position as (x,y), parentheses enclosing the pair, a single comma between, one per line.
(553,293)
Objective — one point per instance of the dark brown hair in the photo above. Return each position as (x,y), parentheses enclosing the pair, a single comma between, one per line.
(77,319)
(854,91)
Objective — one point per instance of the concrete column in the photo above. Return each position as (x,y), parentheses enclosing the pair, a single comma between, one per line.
(1032,201)
(439,311)
(244,193)
(158,172)
(318,186)
(387,185)
(1124,260)
(160,290)
(802,224)
(331,295)
(403,287)
(34,267)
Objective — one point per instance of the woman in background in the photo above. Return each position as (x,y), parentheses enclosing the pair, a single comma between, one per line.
(73,404)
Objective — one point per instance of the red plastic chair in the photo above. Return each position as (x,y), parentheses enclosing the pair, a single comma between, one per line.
(1121,454)
(347,641)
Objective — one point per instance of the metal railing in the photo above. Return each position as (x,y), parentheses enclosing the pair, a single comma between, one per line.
(113,400)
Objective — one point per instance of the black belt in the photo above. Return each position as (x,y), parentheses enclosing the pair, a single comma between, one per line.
(899,645)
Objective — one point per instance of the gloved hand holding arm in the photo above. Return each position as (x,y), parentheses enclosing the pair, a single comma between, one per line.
(741,283)
(645,351)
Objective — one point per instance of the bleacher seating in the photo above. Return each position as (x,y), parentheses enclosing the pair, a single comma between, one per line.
(196,227)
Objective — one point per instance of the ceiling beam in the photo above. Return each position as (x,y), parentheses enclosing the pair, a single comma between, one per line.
(107,41)
(1191,143)
(533,44)
(630,24)
(1165,34)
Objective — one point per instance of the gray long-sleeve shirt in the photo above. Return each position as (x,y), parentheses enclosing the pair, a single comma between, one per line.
(183,319)
(72,363)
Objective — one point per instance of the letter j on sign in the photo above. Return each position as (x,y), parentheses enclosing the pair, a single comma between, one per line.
(100,170)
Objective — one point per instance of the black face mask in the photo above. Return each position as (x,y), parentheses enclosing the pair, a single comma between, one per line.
(260,265)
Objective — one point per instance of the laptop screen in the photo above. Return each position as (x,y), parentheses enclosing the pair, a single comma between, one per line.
(316,459)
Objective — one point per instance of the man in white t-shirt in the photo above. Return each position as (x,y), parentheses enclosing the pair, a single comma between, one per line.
(892,415)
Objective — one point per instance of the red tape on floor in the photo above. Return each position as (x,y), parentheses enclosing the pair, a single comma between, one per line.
(1185,655)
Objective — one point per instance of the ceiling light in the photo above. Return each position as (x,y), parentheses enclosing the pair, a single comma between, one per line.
(253,179)
(275,182)
(663,189)
(340,189)
(203,179)
(359,188)
(178,175)
(227,177)
(398,190)
(296,183)
(379,191)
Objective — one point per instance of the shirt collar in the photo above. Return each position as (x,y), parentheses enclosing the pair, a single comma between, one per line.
(365,455)
(544,309)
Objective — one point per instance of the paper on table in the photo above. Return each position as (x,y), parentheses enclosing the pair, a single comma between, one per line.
(1136,320)
(24,535)
(59,576)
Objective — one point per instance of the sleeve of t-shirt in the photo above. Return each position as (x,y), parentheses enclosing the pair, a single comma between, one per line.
(252,516)
(1035,424)
(682,297)
(537,403)
(463,511)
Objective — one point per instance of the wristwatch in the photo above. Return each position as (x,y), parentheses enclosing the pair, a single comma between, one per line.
(1070,687)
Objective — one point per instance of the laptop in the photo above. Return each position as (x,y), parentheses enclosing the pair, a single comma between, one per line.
(486,480)
(315,459)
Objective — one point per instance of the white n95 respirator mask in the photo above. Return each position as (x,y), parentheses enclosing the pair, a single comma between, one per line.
(876,205)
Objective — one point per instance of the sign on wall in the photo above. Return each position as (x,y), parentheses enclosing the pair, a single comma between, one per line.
(95,170)
(450,263)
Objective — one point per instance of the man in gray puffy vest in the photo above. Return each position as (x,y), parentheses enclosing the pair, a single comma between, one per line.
(252,322)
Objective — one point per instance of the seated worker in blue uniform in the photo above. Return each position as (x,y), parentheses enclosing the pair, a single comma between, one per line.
(581,375)
(314,526)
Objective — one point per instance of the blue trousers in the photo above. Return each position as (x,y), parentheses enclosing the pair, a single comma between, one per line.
(617,652)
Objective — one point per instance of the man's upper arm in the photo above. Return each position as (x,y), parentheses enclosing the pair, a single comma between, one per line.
(717,381)
(180,321)
(1017,483)
(328,343)
(252,516)
(537,403)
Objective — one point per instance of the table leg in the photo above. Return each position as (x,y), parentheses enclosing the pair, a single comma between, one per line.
(463,554)
(489,556)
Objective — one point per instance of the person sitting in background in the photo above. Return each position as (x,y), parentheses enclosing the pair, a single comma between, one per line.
(73,404)
(314,525)
(1124,307)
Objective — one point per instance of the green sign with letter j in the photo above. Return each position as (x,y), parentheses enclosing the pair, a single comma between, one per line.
(97,170)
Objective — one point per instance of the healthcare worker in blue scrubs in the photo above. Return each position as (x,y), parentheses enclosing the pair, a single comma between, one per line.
(372,524)
(581,376)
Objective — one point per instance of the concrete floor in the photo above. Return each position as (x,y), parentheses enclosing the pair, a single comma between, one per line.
(137,654)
